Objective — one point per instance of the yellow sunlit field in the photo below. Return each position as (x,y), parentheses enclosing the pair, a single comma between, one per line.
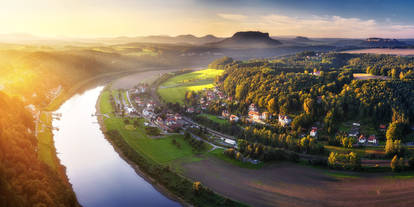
(174,89)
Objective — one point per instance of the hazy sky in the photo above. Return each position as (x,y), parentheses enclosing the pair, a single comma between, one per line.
(108,18)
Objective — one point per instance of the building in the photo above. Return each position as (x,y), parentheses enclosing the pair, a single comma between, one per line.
(230,141)
(362,139)
(225,113)
(372,139)
(314,132)
(284,120)
(190,110)
(265,115)
(178,116)
(234,118)
(254,115)
(355,124)
(317,73)
(252,107)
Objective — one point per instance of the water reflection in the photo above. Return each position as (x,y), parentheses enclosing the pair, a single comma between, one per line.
(100,177)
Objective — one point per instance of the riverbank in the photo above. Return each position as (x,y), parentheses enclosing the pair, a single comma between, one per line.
(44,131)
(160,188)
(160,165)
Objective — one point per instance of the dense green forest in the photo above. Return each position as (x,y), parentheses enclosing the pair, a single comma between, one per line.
(24,179)
(320,90)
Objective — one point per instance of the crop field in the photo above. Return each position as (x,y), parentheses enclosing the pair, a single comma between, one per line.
(174,89)
(289,184)
(365,76)
(402,52)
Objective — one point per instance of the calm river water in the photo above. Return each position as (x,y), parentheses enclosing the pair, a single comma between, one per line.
(100,177)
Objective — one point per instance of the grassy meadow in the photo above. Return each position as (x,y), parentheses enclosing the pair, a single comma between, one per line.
(174,89)
(214,118)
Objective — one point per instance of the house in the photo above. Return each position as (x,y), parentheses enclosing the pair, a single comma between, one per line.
(170,122)
(353,133)
(372,139)
(225,113)
(284,120)
(265,115)
(230,98)
(317,73)
(362,139)
(159,121)
(252,107)
(230,141)
(314,132)
(202,101)
(190,110)
(254,115)
(221,95)
(178,116)
(203,107)
(234,118)
(355,124)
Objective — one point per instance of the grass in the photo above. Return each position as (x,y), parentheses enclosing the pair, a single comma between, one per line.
(340,175)
(46,149)
(214,118)
(174,89)
(360,151)
(402,175)
(159,150)
(218,153)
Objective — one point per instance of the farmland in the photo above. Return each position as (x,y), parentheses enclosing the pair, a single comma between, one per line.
(174,89)
(287,184)
(402,52)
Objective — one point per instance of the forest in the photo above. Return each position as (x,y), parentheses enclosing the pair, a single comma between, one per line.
(317,89)
(24,179)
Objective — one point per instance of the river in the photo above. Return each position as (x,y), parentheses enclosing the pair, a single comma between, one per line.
(99,176)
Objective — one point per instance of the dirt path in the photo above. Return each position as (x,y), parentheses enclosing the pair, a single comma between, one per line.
(288,184)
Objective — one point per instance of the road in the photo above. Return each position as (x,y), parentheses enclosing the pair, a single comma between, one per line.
(210,130)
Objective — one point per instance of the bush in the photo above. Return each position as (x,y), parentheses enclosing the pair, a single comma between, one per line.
(152,131)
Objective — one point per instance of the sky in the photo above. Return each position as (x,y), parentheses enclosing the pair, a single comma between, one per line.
(111,18)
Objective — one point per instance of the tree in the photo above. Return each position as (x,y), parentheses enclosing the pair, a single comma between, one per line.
(332,159)
(395,130)
(308,106)
(241,91)
(395,164)
(197,186)
(394,147)
(271,105)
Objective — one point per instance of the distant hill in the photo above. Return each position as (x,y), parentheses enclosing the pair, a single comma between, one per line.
(249,39)
(302,39)
(381,42)
(182,39)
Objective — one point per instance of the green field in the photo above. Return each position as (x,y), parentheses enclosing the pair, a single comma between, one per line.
(379,150)
(46,149)
(214,118)
(174,89)
(160,150)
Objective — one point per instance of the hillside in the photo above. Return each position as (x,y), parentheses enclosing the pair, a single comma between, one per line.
(24,179)
(249,39)
(381,42)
